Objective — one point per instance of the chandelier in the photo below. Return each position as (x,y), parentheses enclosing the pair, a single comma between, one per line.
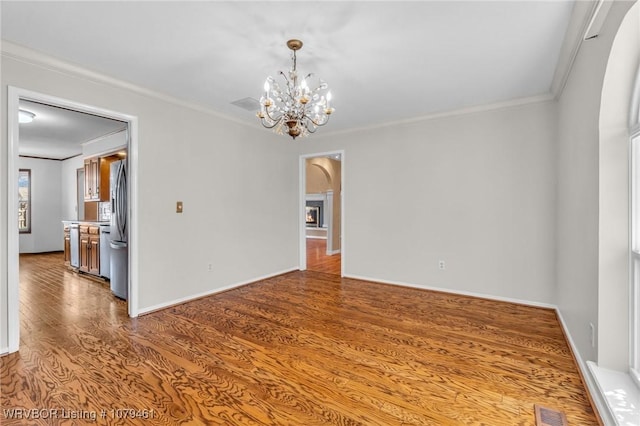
(294,109)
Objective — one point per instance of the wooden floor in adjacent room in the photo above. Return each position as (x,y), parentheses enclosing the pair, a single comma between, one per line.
(304,348)
(318,260)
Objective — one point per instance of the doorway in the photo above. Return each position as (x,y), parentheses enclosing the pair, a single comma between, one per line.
(322,212)
(15,96)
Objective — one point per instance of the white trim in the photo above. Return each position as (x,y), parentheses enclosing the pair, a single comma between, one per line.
(591,384)
(14,95)
(621,395)
(186,299)
(582,14)
(302,196)
(598,394)
(451,113)
(315,197)
(589,380)
(634,108)
(315,237)
(327,214)
(13,250)
(458,292)
(302,204)
(134,241)
(635,376)
(4,351)
(101,138)
(598,16)
(332,252)
(23,54)
(43,60)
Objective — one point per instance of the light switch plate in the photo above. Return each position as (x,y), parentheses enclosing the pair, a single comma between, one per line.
(179,207)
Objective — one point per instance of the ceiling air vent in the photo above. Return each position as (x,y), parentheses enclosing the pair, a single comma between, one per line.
(249,104)
(548,417)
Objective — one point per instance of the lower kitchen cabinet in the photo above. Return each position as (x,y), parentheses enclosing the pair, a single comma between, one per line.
(90,249)
(94,250)
(67,246)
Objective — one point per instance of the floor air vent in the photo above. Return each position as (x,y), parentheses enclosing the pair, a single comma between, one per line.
(548,417)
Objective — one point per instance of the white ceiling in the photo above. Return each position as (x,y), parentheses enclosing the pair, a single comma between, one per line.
(59,133)
(385,61)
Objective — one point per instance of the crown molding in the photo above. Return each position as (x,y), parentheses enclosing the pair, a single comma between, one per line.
(513,103)
(582,16)
(51,63)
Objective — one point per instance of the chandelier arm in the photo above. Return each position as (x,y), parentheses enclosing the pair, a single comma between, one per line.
(267,126)
(266,110)
(309,129)
(318,123)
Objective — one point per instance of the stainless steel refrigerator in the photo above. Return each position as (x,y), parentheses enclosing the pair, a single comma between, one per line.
(119,233)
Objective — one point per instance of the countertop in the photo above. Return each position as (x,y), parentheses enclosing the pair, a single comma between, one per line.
(88,222)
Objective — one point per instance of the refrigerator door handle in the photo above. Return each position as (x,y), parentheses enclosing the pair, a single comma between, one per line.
(121,194)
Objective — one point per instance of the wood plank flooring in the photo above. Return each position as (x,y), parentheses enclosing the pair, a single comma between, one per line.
(318,260)
(304,348)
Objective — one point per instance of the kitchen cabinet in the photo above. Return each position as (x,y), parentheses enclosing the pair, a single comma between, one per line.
(67,246)
(94,250)
(96,179)
(90,249)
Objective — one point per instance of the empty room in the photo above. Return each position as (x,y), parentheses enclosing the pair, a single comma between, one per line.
(335,212)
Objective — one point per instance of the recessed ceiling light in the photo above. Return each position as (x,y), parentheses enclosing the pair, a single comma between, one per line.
(25,116)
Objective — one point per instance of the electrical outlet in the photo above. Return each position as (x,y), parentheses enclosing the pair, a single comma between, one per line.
(592,330)
(441,264)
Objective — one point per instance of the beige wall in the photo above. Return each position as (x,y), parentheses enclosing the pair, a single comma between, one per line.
(476,190)
(325,174)
(591,174)
(220,169)
(613,271)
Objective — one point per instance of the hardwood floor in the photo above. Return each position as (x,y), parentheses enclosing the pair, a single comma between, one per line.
(304,348)
(318,260)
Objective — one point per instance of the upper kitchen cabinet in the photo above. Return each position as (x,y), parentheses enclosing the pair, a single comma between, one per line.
(96,179)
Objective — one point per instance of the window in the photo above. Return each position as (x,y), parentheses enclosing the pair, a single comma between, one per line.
(635,258)
(24,201)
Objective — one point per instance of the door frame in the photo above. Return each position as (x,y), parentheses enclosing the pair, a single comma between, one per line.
(14,95)
(302,250)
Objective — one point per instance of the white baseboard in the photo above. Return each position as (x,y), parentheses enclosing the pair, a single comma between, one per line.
(592,386)
(594,390)
(452,291)
(332,252)
(316,237)
(182,300)
(4,351)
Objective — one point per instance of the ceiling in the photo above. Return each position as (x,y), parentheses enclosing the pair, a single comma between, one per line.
(384,61)
(59,133)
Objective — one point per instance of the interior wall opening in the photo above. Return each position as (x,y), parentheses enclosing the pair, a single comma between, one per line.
(71,196)
(322,202)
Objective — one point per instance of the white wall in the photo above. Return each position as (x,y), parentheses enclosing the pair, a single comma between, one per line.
(105,145)
(613,277)
(579,190)
(46,206)
(221,170)
(69,187)
(476,190)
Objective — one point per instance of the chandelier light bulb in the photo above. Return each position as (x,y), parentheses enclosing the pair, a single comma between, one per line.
(295,109)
